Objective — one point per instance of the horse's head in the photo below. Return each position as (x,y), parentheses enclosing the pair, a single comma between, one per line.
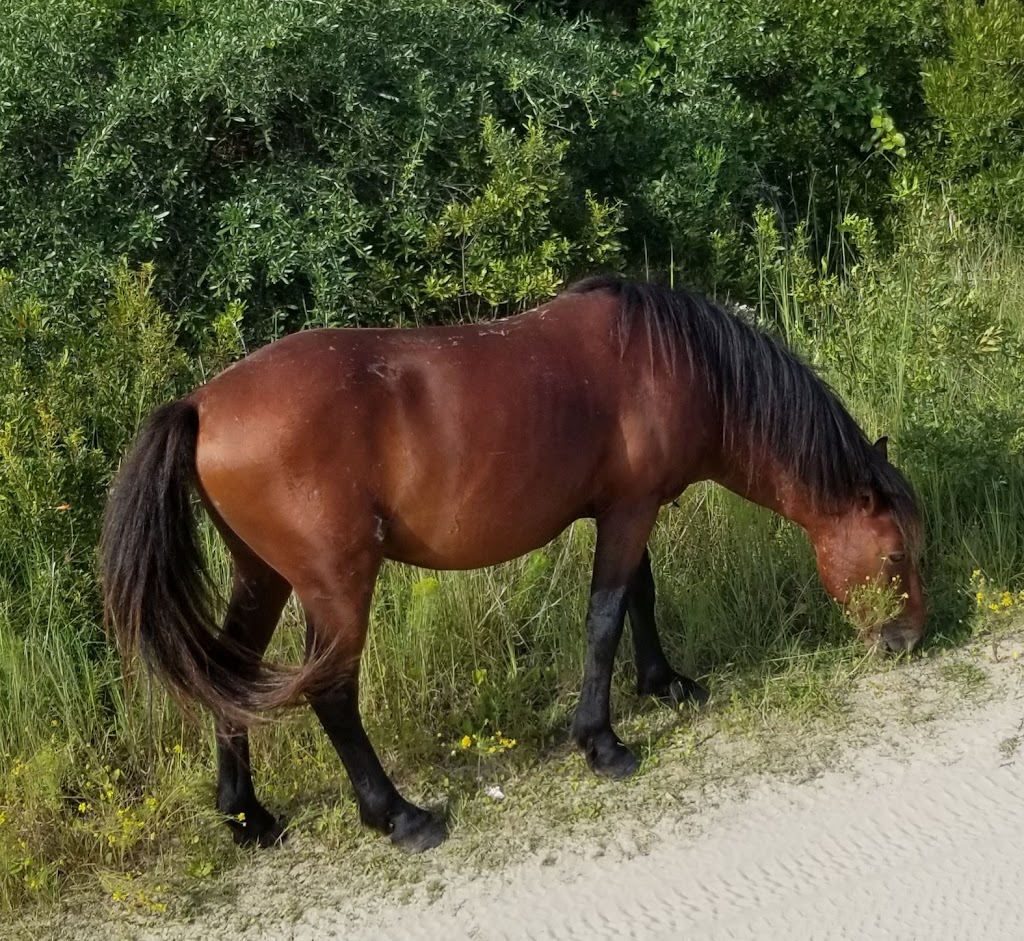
(868,561)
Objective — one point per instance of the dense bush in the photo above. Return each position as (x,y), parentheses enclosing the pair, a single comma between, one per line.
(340,161)
(819,90)
(343,162)
(976,93)
(72,389)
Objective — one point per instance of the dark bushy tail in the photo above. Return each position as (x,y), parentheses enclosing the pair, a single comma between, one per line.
(156,589)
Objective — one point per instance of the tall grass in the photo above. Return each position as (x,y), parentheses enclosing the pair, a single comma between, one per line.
(104,784)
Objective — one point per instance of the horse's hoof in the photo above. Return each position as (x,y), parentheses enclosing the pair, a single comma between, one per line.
(676,691)
(416,830)
(256,828)
(246,835)
(610,758)
(622,764)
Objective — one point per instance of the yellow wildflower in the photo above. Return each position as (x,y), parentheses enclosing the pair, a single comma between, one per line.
(467,740)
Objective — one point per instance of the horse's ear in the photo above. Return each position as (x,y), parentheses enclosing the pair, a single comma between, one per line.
(882,447)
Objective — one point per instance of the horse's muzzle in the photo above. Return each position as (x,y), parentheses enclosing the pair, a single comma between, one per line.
(899,637)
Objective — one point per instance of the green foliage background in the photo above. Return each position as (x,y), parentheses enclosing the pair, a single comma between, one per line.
(181,181)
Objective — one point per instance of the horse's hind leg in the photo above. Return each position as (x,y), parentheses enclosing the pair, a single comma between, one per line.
(341,621)
(258,595)
(654,674)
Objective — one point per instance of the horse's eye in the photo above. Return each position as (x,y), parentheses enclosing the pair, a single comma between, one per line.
(896,556)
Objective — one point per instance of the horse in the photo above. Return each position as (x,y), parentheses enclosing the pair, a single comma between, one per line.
(328,451)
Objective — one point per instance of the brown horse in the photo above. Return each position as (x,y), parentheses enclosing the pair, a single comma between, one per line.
(329,451)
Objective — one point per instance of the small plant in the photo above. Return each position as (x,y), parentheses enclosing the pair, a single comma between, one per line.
(869,607)
(885,138)
(967,677)
(128,890)
(994,608)
(484,744)
(1008,747)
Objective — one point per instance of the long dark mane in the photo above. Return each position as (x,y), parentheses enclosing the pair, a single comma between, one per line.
(765,393)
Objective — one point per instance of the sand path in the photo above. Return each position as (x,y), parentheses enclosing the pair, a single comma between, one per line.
(920,839)
(915,832)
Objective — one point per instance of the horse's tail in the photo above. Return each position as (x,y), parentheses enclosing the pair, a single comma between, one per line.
(156,589)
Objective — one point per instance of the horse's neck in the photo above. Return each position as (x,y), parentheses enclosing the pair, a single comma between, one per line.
(765,481)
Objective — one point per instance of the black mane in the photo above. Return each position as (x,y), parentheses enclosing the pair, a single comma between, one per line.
(765,392)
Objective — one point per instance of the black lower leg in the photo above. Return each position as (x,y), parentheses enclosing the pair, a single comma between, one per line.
(380,805)
(654,674)
(249,820)
(592,730)
(257,597)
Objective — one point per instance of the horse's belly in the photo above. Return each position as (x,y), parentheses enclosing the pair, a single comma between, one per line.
(473,541)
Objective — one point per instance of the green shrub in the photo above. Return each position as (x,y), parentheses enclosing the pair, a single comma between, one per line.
(976,93)
(809,90)
(309,160)
(72,391)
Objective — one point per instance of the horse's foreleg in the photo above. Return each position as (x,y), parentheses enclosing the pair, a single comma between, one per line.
(257,597)
(654,674)
(341,623)
(621,540)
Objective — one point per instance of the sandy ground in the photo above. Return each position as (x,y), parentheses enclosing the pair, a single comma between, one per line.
(919,834)
(922,844)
